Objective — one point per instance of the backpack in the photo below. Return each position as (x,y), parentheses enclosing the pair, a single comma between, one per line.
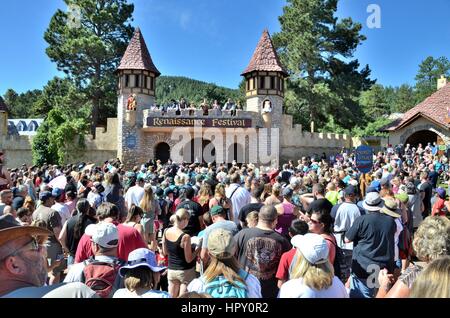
(102,277)
(220,287)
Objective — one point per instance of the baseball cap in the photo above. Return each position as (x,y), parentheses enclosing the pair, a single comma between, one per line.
(104,234)
(312,246)
(10,230)
(384,182)
(141,257)
(56,192)
(441,192)
(45,195)
(350,190)
(372,189)
(221,244)
(216,210)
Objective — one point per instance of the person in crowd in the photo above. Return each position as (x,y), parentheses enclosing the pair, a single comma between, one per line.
(23,264)
(135,193)
(221,199)
(195,211)
(298,227)
(254,205)
(134,217)
(287,212)
(251,220)
(434,282)
(6,199)
(51,219)
(24,216)
(259,250)
(152,209)
(141,275)
(372,233)
(129,238)
(182,258)
(59,206)
(224,277)
(238,196)
(218,216)
(312,272)
(274,198)
(431,241)
(74,228)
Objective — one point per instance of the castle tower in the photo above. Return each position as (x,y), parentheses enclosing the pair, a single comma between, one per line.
(264,78)
(136,92)
(3,118)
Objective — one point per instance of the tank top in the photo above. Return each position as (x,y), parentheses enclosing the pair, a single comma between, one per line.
(285,220)
(177,261)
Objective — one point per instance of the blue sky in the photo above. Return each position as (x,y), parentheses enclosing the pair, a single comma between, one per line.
(213,40)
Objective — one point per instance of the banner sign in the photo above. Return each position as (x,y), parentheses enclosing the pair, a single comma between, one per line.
(364,158)
(206,122)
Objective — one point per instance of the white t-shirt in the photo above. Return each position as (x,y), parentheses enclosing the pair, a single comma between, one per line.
(295,288)
(399,230)
(239,198)
(63,211)
(253,286)
(134,196)
(125,293)
(345,216)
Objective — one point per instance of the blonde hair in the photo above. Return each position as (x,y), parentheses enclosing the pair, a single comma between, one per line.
(252,219)
(434,281)
(140,277)
(228,268)
(147,200)
(316,276)
(204,194)
(108,178)
(179,216)
(432,238)
(220,190)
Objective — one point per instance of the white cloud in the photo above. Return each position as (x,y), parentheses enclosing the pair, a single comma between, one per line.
(185,19)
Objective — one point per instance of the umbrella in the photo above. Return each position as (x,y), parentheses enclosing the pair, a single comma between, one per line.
(59,182)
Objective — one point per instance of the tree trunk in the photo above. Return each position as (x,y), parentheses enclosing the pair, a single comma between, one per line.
(94,121)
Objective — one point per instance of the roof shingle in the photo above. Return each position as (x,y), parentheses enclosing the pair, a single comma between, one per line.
(434,107)
(265,57)
(137,56)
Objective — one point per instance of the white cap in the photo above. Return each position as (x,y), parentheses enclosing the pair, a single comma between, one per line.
(104,234)
(312,246)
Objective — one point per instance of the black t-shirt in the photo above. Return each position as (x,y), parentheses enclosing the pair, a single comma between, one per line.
(285,176)
(320,205)
(373,243)
(433,177)
(259,252)
(426,187)
(71,242)
(195,210)
(246,209)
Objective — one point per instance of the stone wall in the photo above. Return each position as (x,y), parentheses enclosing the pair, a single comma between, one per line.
(400,136)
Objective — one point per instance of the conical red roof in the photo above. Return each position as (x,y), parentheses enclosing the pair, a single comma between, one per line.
(265,57)
(137,56)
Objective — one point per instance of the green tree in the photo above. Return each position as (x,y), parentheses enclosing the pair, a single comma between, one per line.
(90,53)
(404,98)
(374,102)
(430,70)
(20,105)
(317,49)
(53,95)
(62,133)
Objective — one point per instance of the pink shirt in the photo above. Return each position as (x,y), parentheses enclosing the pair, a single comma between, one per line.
(129,240)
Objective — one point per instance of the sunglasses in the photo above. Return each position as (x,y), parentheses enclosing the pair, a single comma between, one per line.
(314,221)
(34,244)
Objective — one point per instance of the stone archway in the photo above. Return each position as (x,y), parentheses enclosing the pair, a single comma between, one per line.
(423,137)
(162,152)
(199,150)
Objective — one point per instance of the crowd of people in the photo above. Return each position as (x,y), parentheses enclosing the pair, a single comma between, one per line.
(315,229)
(182,104)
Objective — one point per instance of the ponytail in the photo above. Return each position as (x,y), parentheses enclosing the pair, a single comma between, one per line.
(83,208)
(179,215)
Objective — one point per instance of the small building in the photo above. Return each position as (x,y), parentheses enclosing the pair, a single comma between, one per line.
(428,122)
